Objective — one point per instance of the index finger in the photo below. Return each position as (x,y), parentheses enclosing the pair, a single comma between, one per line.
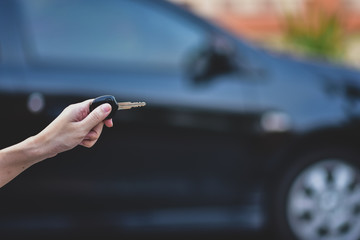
(109,123)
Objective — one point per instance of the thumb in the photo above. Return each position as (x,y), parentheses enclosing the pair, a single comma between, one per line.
(96,116)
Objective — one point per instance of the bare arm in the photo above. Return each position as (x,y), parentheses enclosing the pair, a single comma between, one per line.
(74,126)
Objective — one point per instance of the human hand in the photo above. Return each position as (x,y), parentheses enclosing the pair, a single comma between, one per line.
(76,125)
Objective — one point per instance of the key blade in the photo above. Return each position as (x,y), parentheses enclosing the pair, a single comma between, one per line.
(129,105)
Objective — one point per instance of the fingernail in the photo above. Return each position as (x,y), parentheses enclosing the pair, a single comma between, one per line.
(106,107)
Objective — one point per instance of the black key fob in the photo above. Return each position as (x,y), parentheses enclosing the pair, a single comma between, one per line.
(105,99)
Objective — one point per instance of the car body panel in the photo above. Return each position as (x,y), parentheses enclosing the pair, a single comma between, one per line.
(199,150)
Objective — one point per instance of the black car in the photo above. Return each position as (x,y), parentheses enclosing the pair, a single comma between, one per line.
(233,138)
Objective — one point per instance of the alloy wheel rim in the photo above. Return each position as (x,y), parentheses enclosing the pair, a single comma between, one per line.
(324,202)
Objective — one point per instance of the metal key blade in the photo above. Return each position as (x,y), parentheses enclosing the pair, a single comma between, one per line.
(129,105)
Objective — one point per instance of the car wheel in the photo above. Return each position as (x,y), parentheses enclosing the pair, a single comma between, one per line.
(319,198)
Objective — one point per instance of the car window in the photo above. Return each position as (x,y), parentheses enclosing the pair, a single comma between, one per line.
(108,32)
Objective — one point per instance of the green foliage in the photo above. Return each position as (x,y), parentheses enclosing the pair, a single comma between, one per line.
(319,34)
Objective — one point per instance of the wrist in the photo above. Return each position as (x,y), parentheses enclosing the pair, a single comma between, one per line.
(23,154)
(40,147)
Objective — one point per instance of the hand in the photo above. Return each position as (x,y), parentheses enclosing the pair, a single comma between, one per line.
(76,125)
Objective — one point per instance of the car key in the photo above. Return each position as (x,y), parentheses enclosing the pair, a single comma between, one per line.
(114,105)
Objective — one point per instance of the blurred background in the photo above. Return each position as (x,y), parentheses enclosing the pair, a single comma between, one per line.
(250,130)
(318,28)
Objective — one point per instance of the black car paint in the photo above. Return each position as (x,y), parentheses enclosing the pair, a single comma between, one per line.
(196,157)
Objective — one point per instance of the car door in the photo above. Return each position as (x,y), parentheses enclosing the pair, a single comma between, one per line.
(187,147)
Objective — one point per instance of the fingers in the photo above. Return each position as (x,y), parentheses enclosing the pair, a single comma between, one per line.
(91,138)
(78,111)
(95,132)
(94,123)
(109,123)
(87,143)
(97,116)
(81,110)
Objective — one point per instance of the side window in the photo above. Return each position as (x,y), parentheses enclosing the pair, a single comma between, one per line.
(108,33)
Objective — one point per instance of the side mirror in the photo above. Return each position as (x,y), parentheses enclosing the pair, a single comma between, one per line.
(214,58)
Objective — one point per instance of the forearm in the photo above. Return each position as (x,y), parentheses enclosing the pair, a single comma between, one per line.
(17,158)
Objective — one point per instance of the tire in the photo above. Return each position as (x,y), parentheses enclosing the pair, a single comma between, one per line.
(318,197)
